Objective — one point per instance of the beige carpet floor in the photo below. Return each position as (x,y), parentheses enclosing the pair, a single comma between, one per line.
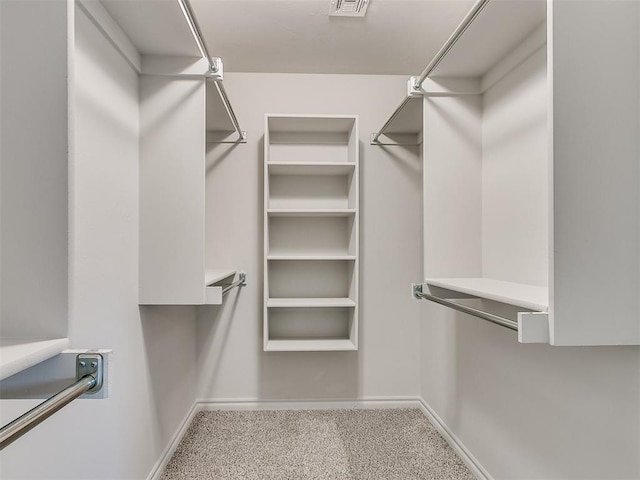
(314,445)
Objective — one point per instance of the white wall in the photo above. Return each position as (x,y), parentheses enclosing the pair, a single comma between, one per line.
(153,374)
(231,362)
(33,150)
(529,411)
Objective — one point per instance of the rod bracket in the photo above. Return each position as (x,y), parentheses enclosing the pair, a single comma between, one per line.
(216,71)
(90,364)
(416,290)
(242,278)
(413,88)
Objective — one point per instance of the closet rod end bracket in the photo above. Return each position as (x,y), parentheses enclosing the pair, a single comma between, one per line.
(417,290)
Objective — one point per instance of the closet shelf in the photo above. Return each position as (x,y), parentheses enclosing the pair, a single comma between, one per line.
(311,212)
(521,295)
(311,168)
(309,302)
(311,345)
(19,354)
(311,257)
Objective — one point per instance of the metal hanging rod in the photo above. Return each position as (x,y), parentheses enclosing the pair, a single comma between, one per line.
(197,35)
(213,66)
(418,81)
(455,36)
(396,112)
(418,292)
(89,380)
(242,135)
(241,282)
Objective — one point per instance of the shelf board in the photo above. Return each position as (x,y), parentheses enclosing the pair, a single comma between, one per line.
(214,276)
(309,345)
(526,296)
(311,257)
(311,168)
(309,302)
(19,354)
(311,212)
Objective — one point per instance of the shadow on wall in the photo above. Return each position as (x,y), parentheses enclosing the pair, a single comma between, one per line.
(169,343)
(213,329)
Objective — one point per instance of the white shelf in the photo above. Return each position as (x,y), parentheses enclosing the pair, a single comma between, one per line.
(18,355)
(526,296)
(311,257)
(311,212)
(310,345)
(214,276)
(311,168)
(309,302)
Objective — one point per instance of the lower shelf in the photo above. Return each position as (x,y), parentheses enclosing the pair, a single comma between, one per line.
(18,354)
(526,296)
(309,345)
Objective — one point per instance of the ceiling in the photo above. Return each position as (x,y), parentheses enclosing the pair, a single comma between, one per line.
(296,36)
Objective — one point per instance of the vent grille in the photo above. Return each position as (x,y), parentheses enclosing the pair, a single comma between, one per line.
(348,8)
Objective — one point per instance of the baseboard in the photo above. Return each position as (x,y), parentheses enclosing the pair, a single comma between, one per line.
(161,464)
(316,404)
(456,444)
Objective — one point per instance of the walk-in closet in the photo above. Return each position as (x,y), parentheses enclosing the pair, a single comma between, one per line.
(320,239)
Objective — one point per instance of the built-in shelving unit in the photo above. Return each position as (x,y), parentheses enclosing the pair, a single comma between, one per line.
(173,270)
(311,233)
(519,207)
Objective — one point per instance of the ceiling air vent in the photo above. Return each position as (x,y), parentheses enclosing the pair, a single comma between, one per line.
(348,8)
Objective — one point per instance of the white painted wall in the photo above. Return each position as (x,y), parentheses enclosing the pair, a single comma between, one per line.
(528,411)
(154,348)
(231,362)
(33,150)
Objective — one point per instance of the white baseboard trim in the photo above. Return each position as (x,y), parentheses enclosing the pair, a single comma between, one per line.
(319,404)
(456,444)
(161,464)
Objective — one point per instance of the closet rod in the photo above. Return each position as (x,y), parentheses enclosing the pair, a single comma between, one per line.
(375,136)
(455,36)
(418,292)
(242,135)
(89,377)
(241,282)
(417,84)
(197,35)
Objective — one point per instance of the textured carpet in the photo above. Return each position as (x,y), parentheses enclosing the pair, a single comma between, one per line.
(314,445)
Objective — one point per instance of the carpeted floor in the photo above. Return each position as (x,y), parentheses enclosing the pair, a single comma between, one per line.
(314,445)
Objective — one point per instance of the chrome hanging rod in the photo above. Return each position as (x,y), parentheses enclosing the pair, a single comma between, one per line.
(242,135)
(375,136)
(418,292)
(241,282)
(197,35)
(455,36)
(418,81)
(89,374)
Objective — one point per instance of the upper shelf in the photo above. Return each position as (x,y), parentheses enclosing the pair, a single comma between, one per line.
(305,123)
(18,355)
(311,168)
(530,297)
(497,30)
